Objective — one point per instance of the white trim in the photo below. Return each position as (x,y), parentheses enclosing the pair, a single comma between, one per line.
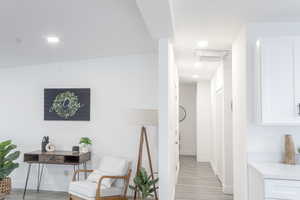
(281,123)
(173,194)
(213,168)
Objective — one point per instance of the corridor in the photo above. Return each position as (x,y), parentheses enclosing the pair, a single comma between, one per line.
(198,182)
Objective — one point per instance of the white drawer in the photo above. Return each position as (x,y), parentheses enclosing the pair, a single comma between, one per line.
(282,189)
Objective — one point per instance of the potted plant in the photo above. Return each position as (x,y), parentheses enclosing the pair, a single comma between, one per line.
(7,165)
(298,156)
(85,144)
(144,184)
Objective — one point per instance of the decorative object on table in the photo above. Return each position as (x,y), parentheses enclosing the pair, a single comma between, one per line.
(110,179)
(8,155)
(144,117)
(75,149)
(182,113)
(85,144)
(57,157)
(50,147)
(67,104)
(45,141)
(144,184)
(290,152)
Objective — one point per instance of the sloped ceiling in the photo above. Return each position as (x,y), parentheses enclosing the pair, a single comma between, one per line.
(87,29)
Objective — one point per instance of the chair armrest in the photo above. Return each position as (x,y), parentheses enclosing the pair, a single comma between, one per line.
(80,171)
(112,177)
(126,178)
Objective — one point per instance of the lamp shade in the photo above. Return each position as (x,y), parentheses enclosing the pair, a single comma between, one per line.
(143,117)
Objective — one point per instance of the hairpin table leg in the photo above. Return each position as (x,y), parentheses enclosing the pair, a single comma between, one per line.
(40,174)
(78,175)
(27,177)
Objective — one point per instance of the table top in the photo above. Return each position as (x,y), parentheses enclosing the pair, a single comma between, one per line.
(58,153)
(277,170)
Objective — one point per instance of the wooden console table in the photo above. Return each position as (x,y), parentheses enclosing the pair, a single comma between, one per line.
(74,159)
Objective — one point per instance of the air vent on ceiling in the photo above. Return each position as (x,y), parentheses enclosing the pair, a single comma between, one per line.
(211,55)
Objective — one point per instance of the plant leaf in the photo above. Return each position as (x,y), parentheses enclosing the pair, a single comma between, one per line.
(144,183)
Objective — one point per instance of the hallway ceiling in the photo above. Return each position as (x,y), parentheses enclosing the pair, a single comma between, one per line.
(219,21)
(87,29)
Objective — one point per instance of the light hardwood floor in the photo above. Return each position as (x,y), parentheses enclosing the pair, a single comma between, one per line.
(42,195)
(198,182)
(33,195)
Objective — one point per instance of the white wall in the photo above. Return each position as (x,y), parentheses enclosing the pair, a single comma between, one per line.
(260,147)
(213,161)
(221,120)
(168,121)
(252,141)
(187,128)
(204,131)
(117,84)
(239,95)
(217,84)
(228,135)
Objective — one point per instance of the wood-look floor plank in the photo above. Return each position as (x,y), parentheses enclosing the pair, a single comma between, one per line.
(197,181)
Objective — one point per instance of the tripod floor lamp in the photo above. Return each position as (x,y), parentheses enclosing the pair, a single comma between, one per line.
(143,118)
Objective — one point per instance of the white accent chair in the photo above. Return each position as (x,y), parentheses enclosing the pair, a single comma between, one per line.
(108,182)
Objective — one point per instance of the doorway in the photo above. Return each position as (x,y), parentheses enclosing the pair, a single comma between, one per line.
(220,134)
(187,119)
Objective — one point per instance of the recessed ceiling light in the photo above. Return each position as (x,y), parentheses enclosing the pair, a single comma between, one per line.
(198,64)
(258,43)
(202,44)
(195,76)
(53,39)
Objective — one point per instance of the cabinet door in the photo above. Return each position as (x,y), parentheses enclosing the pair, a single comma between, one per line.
(297,75)
(282,189)
(277,81)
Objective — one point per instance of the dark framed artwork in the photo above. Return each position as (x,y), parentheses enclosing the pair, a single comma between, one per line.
(67,104)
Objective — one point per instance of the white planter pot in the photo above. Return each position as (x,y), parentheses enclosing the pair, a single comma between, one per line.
(84,148)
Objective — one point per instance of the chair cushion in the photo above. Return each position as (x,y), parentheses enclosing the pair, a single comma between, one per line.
(88,189)
(96,175)
(109,166)
(113,165)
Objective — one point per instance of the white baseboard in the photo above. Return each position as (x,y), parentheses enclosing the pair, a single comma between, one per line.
(228,189)
(213,168)
(173,194)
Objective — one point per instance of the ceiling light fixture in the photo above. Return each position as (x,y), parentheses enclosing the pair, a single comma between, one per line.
(202,44)
(195,76)
(53,39)
(198,64)
(258,43)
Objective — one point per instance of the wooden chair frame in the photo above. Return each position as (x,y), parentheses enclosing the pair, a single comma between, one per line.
(126,178)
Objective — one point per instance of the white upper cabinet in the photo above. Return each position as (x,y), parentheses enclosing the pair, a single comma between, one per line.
(296,77)
(279,67)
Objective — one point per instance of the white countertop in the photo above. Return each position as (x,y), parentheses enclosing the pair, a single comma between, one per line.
(277,170)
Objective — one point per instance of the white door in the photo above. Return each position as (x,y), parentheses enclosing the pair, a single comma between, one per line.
(176,131)
(220,133)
